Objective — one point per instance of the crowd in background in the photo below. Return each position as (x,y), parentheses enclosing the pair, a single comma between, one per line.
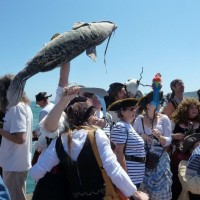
(149,147)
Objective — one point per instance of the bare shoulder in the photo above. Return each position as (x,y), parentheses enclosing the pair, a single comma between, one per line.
(169,109)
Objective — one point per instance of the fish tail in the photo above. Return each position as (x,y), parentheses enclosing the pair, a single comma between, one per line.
(15,91)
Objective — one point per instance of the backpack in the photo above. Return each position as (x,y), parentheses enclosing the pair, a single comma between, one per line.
(174,103)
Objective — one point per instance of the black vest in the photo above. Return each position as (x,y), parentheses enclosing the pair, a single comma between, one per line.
(83,175)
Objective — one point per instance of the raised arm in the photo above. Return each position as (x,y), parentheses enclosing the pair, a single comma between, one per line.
(52,119)
(63,80)
(64,75)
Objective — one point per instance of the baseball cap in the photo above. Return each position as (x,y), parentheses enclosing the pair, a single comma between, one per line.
(41,96)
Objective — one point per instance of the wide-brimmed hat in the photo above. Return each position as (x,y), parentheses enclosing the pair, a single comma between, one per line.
(121,104)
(41,96)
(189,141)
(148,99)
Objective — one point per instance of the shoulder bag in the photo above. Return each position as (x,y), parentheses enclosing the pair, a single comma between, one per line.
(111,191)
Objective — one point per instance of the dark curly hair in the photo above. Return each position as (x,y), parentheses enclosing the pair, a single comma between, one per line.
(181,113)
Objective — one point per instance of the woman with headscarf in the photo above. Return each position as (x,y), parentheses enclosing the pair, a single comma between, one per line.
(155,129)
(130,146)
(83,174)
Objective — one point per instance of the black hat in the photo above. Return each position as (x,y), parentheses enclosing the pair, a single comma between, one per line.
(123,103)
(114,88)
(148,99)
(41,96)
(189,141)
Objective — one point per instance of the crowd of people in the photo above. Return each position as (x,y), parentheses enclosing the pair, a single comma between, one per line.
(148,151)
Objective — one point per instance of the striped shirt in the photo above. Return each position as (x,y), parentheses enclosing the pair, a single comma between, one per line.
(194,160)
(123,133)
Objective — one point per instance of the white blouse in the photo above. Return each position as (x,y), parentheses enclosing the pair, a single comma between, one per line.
(114,170)
(163,125)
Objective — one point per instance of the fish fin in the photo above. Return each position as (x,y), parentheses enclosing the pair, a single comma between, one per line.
(79,24)
(15,91)
(91,52)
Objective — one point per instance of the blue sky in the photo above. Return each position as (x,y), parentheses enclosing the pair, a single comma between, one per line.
(158,35)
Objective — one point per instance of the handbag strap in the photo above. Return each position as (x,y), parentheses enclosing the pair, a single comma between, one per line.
(147,146)
(110,191)
(124,149)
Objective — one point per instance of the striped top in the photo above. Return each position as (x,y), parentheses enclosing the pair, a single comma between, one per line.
(123,133)
(194,160)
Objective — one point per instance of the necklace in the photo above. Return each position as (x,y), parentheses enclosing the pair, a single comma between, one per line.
(151,120)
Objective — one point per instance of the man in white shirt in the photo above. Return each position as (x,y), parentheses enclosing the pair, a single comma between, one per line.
(42,100)
(16,145)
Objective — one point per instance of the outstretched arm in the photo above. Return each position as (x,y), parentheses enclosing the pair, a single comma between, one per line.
(52,119)
(63,80)
(64,75)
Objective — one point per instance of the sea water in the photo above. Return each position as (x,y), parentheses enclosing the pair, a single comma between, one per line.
(30,184)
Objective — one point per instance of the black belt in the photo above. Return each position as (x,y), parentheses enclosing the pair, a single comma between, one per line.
(136,159)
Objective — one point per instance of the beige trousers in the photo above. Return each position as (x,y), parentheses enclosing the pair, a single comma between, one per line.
(16,184)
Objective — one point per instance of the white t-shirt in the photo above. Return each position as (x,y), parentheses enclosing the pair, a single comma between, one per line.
(17,157)
(42,114)
(45,110)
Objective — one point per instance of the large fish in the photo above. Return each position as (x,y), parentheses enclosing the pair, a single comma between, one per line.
(64,48)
